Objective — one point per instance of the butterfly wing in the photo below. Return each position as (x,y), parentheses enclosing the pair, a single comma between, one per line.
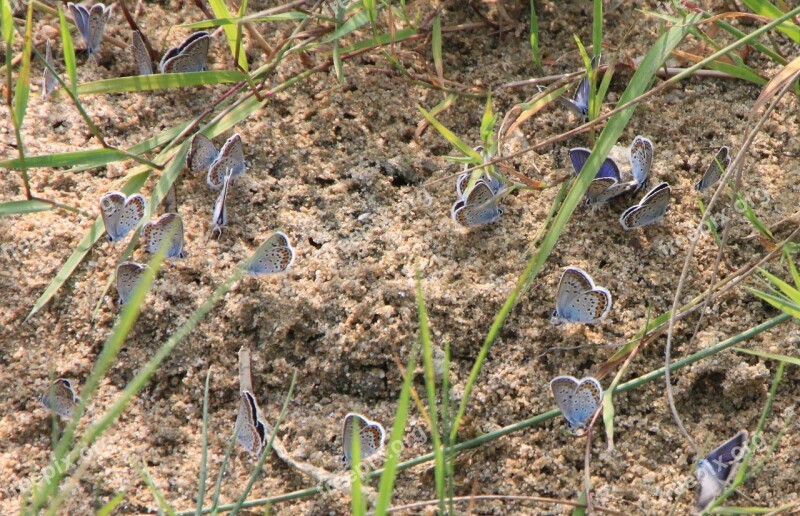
(143,62)
(609,168)
(131,214)
(578,157)
(563,388)
(111,206)
(274,256)
(128,275)
(348,426)
(716,469)
(154,233)
(715,169)
(97,26)
(649,211)
(202,153)
(579,103)
(250,431)
(189,56)
(49,81)
(574,282)
(585,400)
(587,308)
(371,439)
(479,208)
(230,160)
(641,154)
(60,398)
(220,217)
(80,15)
(604,189)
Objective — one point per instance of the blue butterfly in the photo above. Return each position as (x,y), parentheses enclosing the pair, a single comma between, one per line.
(606,184)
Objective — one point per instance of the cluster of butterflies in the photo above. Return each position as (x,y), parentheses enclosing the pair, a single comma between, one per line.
(189,56)
(122,213)
(579,400)
(480,204)
(251,431)
(221,169)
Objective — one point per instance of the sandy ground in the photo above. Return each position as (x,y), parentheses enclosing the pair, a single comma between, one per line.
(339,170)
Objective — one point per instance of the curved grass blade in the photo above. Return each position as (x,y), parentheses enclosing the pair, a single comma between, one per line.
(220,22)
(23,84)
(395,445)
(201,482)
(160,82)
(108,508)
(22,207)
(764,8)
(68,49)
(221,11)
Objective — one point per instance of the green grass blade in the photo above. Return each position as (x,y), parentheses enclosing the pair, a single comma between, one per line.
(534,37)
(108,509)
(134,184)
(382,39)
(597,28)
(21,207)
(372,11)
(764,8)
(144,474)
(353,23)
(769,356)
(201,481)
(221,11)
(357,507)
(161,81)
(92,158)
(430,388)
(395,444)
(68,49)
(488,123)
(787,289)
(7,26)
(792,268)
(22,90)
(436,46)
(451,138)
(219,22)
(781,303)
